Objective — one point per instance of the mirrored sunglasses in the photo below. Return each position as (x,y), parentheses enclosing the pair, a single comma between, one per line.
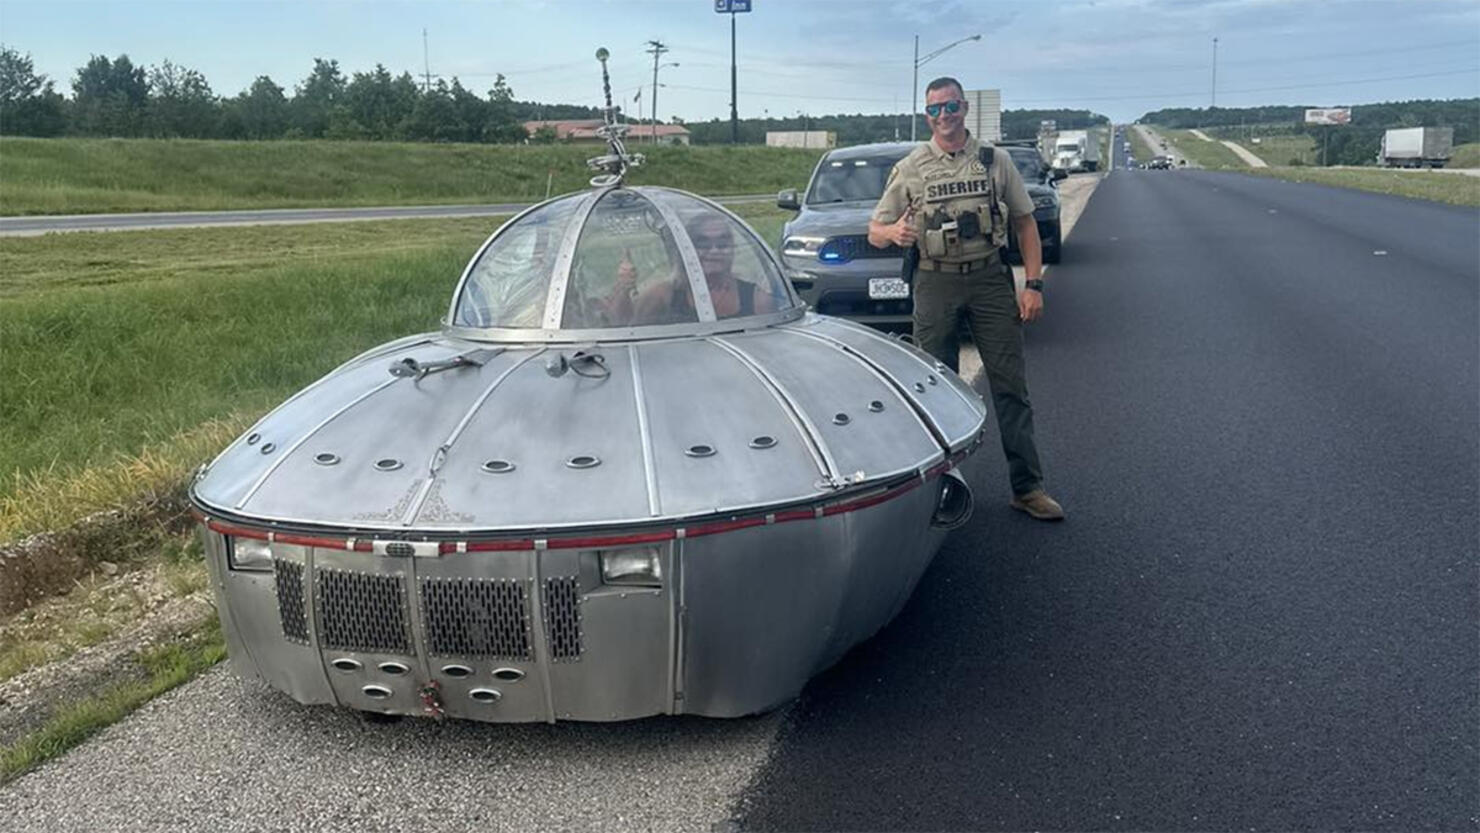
(952,106)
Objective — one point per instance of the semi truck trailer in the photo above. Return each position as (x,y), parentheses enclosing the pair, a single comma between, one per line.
(1077,150)
(1416,147)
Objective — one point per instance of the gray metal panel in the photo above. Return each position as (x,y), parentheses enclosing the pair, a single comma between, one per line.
(349,685)
(762,605)
(520,701)
(958,411)
(288,666)
(832,386)
(538,423)
(737,409)
(241,465)
(624,666)
(771,606)
(406,422)
(242,662)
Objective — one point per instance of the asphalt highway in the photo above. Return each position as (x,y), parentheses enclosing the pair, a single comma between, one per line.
(1260,404)
(32,225)
(1257,401)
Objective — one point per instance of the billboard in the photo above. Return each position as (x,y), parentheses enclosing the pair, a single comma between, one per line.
(984,114)
(801,139)
(1329,115)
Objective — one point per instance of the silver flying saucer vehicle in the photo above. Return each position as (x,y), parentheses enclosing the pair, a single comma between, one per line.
(632,475)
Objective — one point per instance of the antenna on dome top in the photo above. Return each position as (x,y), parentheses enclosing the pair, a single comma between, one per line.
(613,165)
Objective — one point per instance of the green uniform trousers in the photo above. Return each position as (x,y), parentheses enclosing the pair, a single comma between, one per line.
(988,299)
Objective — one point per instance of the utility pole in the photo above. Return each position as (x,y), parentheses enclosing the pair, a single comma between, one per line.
(734,88)
(426,61)
(1215,75)
(915,89)
(656,48)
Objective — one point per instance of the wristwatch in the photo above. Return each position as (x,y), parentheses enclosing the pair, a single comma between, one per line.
(1035,284)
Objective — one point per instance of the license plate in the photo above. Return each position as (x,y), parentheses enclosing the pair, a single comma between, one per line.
(881,288)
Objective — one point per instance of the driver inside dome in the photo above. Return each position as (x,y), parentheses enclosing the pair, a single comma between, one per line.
(671,301)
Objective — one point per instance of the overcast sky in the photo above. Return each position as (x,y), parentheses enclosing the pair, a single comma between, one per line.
(1117,57)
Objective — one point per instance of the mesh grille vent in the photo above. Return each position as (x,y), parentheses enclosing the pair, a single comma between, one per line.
(289,576)
(563,618)
(476,618)
(362,612)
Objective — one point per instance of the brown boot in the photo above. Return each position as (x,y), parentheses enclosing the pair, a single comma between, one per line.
(1038,504)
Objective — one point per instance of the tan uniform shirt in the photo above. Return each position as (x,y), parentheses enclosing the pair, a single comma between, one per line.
(942,186)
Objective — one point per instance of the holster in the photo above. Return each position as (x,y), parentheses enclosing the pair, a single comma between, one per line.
(909,264)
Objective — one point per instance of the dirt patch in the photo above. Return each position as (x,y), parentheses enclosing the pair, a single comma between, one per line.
(50,563)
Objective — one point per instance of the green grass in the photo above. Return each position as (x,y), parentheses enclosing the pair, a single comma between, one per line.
(76,176)
(1203,153)
(164,667)
(1466,156)
(1139,147)
(1455,189)
(1293,149)
(166,341)
(128,358)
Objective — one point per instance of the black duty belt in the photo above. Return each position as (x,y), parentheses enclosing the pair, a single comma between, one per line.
(928,265)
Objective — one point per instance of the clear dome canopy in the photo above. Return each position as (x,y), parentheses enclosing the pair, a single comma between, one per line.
(619,258)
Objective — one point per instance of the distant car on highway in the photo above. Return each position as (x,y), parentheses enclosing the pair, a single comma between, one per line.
(825,248)
(1160,163)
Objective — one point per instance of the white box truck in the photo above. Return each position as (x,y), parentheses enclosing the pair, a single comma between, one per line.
(1077,150)
(1416,147)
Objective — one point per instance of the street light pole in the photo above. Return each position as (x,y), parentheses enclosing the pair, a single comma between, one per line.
(656,48)
(915,90)
(919,62)
(1213,95)
(734,88)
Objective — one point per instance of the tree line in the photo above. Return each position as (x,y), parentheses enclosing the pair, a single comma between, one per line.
(858,128)
(118,98)
(1350,144)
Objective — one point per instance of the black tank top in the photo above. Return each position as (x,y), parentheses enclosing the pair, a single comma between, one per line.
(681,305)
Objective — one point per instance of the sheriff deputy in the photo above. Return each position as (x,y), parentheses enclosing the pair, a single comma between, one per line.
(953,197)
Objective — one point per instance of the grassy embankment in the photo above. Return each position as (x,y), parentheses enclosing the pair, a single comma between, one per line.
(1140,148)
(78,176)
(1204,153)
(1466,156)
(130,358)
(1454,189)
(1294,150)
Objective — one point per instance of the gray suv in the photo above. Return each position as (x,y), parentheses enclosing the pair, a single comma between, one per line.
(825,247)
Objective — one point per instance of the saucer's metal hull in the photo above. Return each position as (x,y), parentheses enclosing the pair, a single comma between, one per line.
(743,620)
(438,540)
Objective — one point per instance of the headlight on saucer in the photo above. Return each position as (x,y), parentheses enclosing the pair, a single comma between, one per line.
(250,555)
(641,567)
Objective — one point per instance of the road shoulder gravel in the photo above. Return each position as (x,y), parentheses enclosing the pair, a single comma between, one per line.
(226,754)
